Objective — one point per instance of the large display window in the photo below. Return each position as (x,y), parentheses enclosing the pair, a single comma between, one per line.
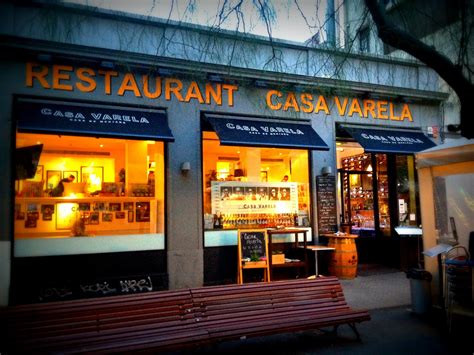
(249,187)
(87,195)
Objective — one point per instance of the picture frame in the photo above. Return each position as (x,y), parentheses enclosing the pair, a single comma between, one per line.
(107,216)
(128,206)
(93,176)
(142,212)
(85,216)
(49,208)
(120,215)
(66,174)
(53,177)
(130,216)
(94,218)
(99,206)
(115,206)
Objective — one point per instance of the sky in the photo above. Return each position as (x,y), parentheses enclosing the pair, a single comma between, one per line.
(293,20)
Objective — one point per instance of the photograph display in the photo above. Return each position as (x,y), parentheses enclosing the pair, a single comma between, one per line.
(254,197)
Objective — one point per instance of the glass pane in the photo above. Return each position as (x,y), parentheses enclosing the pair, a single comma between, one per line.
(382,193)
(406,191)
(90,187)
(246,187)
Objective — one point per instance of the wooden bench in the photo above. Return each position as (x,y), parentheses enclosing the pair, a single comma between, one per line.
(171,320)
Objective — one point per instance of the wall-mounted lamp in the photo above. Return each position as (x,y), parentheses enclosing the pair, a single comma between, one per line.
(185,167)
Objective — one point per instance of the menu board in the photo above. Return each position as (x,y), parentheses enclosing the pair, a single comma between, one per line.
(326,200)
(252,252)
(252,244)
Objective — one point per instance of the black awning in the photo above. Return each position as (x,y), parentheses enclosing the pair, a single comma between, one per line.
(44,116)
(389,140)
(261,133)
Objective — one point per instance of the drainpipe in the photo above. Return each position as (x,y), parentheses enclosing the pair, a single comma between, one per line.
(330,24)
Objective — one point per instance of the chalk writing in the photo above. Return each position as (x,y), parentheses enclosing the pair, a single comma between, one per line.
(252,244)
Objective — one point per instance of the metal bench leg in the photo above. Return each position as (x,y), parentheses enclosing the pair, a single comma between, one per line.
(353,327)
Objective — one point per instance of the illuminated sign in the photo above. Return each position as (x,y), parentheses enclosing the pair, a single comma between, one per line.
(110,82)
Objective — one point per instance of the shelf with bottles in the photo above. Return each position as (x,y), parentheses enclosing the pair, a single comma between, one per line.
(356,162)
(259,220)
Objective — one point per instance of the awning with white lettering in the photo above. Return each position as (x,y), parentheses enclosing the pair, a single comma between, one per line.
(265,133)
(384,140)
(57,117)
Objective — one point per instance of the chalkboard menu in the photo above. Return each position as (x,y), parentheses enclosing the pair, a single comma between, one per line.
(252,244)
(326,200)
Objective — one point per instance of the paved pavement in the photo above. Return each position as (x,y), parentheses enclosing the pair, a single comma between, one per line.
(393,329)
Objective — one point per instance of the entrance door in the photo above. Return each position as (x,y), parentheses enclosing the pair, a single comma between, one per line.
(357,201)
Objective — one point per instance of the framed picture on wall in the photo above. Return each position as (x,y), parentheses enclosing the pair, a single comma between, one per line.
(142,212)
(67,173)
(107,216)
(52,178)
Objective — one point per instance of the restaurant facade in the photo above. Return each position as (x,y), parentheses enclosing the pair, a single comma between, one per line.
(131,167)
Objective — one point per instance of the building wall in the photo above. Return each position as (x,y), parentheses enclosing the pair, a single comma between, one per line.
(95,38)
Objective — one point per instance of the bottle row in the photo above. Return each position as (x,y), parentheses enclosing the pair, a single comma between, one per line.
(236,221)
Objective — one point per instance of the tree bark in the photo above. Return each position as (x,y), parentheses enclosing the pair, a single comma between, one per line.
(392,35)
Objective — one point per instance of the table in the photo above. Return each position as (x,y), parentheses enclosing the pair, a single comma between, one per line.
(317,248)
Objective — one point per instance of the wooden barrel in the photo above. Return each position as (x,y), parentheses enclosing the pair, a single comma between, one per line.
(343,263)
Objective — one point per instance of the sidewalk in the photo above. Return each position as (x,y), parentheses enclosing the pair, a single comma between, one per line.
(393,329)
